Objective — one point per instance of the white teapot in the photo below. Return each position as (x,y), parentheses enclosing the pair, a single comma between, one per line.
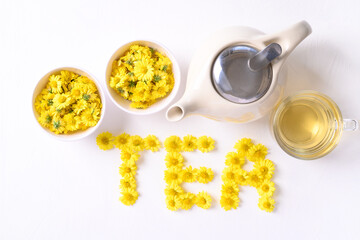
(220,85)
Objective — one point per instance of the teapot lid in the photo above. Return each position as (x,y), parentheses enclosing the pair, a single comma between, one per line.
(233,79)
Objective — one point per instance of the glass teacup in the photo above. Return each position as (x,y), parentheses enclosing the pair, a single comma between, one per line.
(309,125)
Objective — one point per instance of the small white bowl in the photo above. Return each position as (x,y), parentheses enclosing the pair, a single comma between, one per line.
(78,134)
(159,105)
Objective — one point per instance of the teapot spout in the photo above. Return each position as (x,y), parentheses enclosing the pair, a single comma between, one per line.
(175,113)
(290,37)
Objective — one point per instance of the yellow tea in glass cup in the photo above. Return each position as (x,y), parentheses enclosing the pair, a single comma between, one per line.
(309,125)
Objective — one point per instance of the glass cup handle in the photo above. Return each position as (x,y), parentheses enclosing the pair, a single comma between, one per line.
(350,125)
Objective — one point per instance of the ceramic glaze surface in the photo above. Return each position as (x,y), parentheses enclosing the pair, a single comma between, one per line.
(199,83)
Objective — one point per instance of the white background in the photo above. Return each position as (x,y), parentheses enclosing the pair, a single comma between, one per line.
(59,190)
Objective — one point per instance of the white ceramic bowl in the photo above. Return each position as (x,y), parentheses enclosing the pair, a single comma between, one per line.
(78,134)
(161,104)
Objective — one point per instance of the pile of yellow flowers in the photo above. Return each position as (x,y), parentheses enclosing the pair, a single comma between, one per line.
(175,174)
(143,75)
(68,103)
(130,147)
(259,177)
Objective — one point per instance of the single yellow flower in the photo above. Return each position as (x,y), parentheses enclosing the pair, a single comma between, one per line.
(128,169)
(241,177)
(266,203)
(173,175)
(189,174)
(243,146)
(265,167)
(173,203)
(204,175)
(129,196)
(105,141)
(187,200)
(143,69)
(230,174)
(128,182)
(174,159)
(254,178)
(128,155)
(61,101)
(173,190)
(234,159)
(203,200)
(189,143)
(136,143)
(152,143)
(205,144)
(173,144)
(229,201)
(121,141)
(230,188)
(257,153)
(266,189)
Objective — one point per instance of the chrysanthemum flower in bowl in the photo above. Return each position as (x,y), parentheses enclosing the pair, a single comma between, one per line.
(142,77)
(68,103)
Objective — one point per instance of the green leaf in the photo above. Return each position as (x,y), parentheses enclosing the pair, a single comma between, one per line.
(164,68)
(129,62)
(120,90)
(157,78)
(130,73)
(56,124)
(48,119)
(50,102)
(86,97)
(132,84)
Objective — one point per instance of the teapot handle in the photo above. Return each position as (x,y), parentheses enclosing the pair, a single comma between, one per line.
(289,38)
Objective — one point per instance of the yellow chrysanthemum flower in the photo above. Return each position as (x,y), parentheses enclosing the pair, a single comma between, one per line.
(266,203)
(230,188)
(105,141)
(128,169)
(79,106)
(205,144)
(189,174)
(241,177)
(189,143)
(173,144)
(257,153)
(129,155)
(45,119)
(70,122)
(204,175)
(152,143)
(128,182)
(58,125)
(265,167)
(129,196)
(187,200)
(173,203)
(143,69)
(229,201)
(243,146)
(266,189)
(254,178)
(203,200)
(174,159)
(90,117)
(61,101)
(121,141)
(173,190)
(234,159)
(173,175)
(136,143)
(230,174)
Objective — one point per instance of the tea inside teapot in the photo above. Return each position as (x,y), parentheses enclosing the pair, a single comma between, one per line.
(234,80)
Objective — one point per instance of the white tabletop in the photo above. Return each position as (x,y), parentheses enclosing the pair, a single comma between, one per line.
(59,190)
